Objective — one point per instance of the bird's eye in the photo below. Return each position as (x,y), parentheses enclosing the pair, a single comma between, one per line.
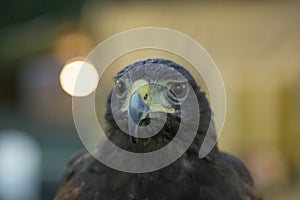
(179,90)
(120,87)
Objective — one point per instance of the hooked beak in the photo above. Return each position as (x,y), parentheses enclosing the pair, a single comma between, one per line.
(137,111)
(142,106)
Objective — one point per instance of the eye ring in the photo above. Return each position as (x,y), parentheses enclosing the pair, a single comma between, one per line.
(120,88)
(178,90)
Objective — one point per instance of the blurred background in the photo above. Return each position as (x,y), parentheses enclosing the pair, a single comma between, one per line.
(255,44)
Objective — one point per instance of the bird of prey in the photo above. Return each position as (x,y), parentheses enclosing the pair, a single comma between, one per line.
(144,92)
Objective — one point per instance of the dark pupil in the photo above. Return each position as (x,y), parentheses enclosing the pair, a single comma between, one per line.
(179,90)
(120,87)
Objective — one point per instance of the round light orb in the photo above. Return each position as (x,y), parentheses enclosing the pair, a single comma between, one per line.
(79,78)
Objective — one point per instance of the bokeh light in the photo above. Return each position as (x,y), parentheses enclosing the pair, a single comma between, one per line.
(79,78)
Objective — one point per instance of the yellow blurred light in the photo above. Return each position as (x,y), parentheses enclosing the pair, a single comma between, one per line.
(79,78)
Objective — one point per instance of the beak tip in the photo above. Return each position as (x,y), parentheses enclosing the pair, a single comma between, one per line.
(133,139)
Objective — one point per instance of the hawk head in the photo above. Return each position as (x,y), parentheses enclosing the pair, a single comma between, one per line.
(151,100)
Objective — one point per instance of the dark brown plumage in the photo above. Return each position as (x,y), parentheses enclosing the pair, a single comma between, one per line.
(216,176)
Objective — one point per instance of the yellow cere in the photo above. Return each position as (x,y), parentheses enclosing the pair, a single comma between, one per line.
(142,87)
